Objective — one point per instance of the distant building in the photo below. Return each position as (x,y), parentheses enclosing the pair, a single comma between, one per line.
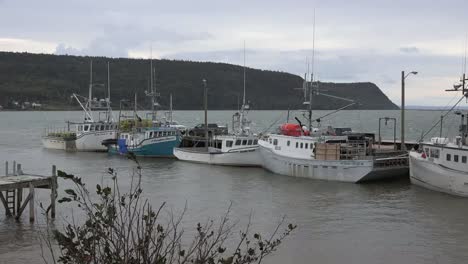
(36,105)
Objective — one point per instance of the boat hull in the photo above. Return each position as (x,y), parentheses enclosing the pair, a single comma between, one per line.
(54,143)
(435,177)
(156,147)
(92,141)
(330,170)
(250,158)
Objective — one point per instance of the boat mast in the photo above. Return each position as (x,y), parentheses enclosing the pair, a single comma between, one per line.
(135,108)
(243,99)
(205,102)
(151,84)
(170,107)
(90,95)
(109,110)
(312,76)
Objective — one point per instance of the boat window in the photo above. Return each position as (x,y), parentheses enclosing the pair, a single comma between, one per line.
(255,141)
(249,142)
(107,127)
(80,128)
(151,134)
(455,158)
(435,153)
(269,140)
(463,159)
(275,142)
(306,146)
(238,142)
(449,157)
(244,142)
(302,145)
(229,143)
(91,128)
(297,144)
(288,143)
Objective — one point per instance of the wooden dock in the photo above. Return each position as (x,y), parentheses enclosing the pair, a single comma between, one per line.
(14,184)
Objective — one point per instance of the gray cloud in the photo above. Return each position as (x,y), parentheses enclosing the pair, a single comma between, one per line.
(409,50)
(117,41)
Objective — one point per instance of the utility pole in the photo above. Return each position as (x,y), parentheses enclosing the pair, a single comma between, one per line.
(403,77)
(402,142)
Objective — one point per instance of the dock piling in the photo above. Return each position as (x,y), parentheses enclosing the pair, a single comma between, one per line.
(31,203)
(11,190)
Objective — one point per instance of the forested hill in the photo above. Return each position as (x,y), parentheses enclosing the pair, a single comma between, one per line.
(51,79)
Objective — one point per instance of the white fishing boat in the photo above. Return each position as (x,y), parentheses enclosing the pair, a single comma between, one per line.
(334,155)
(89,134)
(441,163)
(347,158)
(237,149)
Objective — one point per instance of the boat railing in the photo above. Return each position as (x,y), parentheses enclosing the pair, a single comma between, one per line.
(393,161)
(63,132)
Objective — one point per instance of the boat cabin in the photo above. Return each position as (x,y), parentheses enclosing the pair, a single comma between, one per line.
(146,134)
(234,143)
(88,127)
(445,153)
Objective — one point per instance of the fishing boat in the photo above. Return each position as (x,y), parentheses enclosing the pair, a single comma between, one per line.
(88,134)
(239,148)
(441,163)
(342,155)
(149,137)
(347,157)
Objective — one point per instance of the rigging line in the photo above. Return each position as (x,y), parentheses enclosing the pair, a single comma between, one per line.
(444,108)
(337,110)
(453,107)
(276,121)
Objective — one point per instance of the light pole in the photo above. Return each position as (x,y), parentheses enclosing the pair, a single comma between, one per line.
(403,77)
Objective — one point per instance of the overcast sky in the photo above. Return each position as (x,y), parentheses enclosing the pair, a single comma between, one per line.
(356,41)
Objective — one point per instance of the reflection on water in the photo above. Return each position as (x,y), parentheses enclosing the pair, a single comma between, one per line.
(389,222)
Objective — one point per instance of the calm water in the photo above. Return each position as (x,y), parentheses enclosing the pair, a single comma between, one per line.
(391,222)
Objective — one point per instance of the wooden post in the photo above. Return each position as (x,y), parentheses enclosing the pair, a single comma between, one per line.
(19,171)
(6,168)
(53,191)
(19,191)
(31,203)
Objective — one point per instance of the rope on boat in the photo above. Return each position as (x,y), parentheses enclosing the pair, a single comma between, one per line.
(437,123)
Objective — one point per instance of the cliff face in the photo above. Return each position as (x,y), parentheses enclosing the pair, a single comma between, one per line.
(51,79)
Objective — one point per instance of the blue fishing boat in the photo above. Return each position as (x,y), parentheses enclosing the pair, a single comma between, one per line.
(148,142)
(146,137)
